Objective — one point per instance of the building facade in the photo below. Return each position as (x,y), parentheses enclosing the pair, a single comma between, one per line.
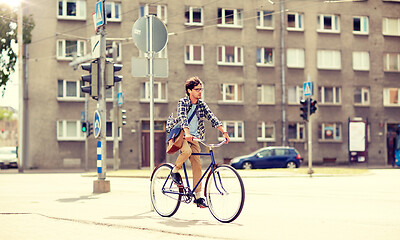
(253,57)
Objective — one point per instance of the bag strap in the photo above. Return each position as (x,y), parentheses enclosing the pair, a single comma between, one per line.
(194,112)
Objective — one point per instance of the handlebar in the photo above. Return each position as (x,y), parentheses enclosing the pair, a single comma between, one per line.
(210,145)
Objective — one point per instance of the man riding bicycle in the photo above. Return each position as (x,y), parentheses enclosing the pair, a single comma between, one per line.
(188,105)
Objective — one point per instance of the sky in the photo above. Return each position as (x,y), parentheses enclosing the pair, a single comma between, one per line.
(11,95)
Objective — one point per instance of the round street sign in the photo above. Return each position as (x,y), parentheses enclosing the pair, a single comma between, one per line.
(141,34)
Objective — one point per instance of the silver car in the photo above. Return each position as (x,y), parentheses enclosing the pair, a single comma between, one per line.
(8,157)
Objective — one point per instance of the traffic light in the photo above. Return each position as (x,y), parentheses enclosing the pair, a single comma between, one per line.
(122,117)
(313,106)
(304,109)
(90,129)
(111,78)
(92,78)
(84,126)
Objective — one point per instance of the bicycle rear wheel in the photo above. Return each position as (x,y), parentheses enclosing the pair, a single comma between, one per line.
(164,193)
(225,193)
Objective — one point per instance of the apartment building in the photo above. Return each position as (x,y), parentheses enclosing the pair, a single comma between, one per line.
(253,57)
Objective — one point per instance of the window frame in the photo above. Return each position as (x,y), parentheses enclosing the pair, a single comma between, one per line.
(299,53)
(298,21)
(386,97)
(189,22)
(299,94)
(264,125)
(237,18)
(191,54)
(324,57)
(119,50)
(364,23)
(385,26)
(300,132)
(336,90)
(236,131)
(261,50)
(111,138)
(260,19)
(113,12)
(337,134)
(361,61)
(364,91)
(237,51)
(78,5)
(261,89)
(161,11)
(80,95)
(80,136)
(387,63)
(145,88)
(237,94)
(335,23)
(63,56)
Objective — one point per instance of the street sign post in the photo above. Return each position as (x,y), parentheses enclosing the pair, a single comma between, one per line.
(307,89)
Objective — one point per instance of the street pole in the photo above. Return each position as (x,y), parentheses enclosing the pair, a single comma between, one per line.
(87,132)
(283,80)
(21,135)
(151,75)
(102,103)
(115,113)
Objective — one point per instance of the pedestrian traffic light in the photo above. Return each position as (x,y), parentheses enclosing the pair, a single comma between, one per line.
(304,109)
(92,78)
(122,117)
(83,126)
(111,78)
(90,129)
(313,106)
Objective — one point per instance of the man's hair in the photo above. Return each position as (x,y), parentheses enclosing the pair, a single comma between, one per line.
(191,83)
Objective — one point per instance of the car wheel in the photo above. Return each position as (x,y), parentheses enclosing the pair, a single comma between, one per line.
(247,165)
(291,165)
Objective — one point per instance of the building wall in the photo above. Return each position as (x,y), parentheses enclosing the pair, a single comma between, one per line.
(44,71)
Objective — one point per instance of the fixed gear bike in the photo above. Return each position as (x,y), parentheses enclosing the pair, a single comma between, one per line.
(224,189)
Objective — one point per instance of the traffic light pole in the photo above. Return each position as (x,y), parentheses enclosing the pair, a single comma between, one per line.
(115,118)
(309,136)
(87,132)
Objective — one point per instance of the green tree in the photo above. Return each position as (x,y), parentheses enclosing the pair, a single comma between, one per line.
(8,36)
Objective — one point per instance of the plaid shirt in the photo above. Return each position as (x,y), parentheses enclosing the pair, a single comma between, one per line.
(203,111)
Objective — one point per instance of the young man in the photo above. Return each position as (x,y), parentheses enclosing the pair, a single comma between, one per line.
(196,128)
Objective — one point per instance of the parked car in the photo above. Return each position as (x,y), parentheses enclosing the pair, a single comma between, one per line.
(269,157)
(8,157)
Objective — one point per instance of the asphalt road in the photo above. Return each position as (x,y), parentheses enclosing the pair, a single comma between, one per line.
(62,206)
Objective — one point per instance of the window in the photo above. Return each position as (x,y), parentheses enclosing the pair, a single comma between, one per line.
(265,20)
(361,96)
(329,59)
(295,21)
(69,130)
(296,131)
(330,131)
(69,90)
(109,47)
(230,55)
(361,61)
(229,17)
(159,92)
(295,58)
(67,48)
(235,131)
(113,11)
(194,54)
(110,132)
(391,97)
(231,93)
(391,26)
(391,62)
(360,25)
(265,132)
(330,95)
(265,94)
(295,94)
(159,11)
(265,56)
(194,16)
(72,9)
(328,23)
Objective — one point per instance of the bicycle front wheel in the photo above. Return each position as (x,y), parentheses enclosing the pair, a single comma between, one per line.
(164,193)
(225,193)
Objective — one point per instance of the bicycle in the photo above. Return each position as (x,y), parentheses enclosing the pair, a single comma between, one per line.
(224,189)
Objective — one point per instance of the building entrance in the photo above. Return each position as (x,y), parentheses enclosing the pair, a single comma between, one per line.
(159,143)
